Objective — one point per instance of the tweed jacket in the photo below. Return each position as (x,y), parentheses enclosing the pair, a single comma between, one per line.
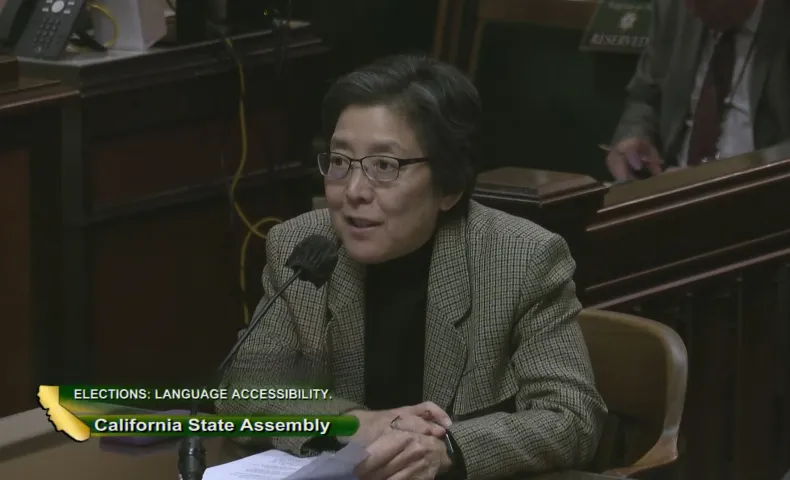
(660,91)
(504,354)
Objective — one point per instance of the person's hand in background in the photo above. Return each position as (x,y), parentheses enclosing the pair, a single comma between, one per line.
(424,419)
(630,155)
(399,455)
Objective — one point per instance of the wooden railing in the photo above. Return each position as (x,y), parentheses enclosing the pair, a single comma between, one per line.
(707,252)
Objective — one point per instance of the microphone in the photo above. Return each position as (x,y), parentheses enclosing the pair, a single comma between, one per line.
(312,260)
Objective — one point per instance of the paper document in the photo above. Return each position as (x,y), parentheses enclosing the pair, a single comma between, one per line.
(268,465)
(276,465)
(333,466)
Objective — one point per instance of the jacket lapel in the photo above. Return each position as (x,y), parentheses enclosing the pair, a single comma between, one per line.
(448,304)
(449,301)
(772,36)
(345,335)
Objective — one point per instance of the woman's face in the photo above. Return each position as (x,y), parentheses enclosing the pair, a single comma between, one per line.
(380,221)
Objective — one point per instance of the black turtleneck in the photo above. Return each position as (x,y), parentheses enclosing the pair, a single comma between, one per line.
(396,294)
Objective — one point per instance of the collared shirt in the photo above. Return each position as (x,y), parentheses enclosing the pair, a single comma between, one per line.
(737,136)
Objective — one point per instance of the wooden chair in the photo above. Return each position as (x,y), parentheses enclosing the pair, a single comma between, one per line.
(640,370)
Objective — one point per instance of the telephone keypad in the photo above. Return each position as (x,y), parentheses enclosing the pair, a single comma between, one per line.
(46,32)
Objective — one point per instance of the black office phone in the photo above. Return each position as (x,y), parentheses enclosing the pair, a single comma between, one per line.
(39,28)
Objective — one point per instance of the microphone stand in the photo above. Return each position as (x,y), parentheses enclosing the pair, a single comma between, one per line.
(192,453)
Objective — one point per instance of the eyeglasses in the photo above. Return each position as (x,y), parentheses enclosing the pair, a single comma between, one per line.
(379,168)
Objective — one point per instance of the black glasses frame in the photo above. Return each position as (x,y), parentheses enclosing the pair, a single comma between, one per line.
(401,163)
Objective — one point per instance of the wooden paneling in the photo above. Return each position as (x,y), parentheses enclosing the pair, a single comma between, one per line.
(735,330)
(16,318)
(165,277)
(707,252)
(150,273)
(29,181)
(29,242)
(129,168)
(166,287)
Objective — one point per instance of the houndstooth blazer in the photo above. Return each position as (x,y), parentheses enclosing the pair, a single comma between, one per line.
(504,355)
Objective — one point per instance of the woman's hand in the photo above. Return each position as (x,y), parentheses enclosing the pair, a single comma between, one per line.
(425,419)
(399,455)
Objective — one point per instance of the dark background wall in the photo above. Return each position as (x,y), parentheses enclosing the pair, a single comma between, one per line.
(362,30)
(547,105)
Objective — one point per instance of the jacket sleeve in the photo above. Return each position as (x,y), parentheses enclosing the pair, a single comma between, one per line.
(640,118)
(272,357)
(559,414)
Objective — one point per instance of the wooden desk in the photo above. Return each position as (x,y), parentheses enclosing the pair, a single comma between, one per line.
(150,247)
(30,126)
(706,251)
(35,452)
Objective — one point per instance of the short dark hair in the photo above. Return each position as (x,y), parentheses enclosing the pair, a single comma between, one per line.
(439,103)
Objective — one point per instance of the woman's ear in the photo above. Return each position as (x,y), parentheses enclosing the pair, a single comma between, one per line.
(448,201)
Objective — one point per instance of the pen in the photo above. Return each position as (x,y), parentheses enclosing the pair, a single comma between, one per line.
(449,445)
(605,148)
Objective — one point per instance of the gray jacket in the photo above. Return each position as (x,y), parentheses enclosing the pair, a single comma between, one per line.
(660,91)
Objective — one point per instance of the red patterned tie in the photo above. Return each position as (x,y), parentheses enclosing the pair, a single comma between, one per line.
(709,114)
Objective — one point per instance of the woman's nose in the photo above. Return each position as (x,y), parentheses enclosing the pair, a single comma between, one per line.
(358,187)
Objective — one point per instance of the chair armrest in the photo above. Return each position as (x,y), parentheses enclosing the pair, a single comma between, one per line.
(664,452)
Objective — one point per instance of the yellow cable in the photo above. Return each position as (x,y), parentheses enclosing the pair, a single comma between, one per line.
(243,160)
(111,17)
(252,229)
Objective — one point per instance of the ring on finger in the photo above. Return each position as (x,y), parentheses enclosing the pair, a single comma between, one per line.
(394,422)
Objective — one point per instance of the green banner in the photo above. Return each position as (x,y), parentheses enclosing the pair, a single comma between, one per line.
(619,26)
(219,426)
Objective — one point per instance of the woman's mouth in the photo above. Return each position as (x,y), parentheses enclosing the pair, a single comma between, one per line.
(362,223)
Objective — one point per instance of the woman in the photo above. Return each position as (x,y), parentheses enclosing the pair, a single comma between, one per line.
(448,328)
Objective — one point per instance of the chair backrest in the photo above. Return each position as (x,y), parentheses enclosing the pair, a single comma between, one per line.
(640,368)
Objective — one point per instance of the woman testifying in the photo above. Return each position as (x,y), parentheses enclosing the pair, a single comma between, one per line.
(447,328)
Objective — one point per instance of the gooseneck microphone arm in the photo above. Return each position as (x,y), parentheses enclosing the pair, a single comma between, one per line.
(312,260)
(192,453)
(243,338)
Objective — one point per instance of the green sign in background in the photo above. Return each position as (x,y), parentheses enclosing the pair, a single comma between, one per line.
(619,26)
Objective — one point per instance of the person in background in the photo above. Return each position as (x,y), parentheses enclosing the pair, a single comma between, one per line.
(714,82)
(447,328)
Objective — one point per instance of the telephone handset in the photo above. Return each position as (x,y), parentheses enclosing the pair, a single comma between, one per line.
(13,20)
(49,25)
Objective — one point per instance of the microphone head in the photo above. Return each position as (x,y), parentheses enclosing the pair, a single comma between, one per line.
(315,259)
